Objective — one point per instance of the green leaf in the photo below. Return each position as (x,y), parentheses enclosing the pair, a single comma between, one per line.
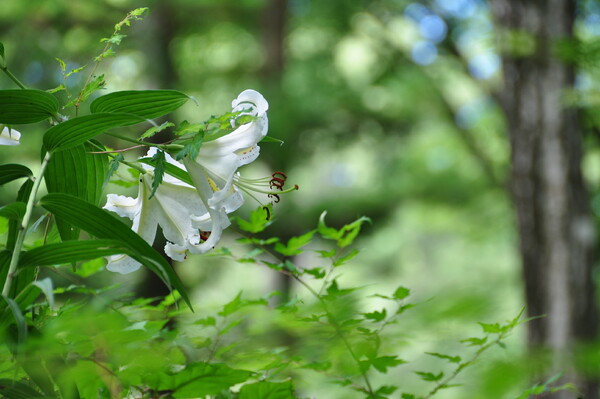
(269,139)
(267,390)
(78,130)
(192,149)
(78,172)
(113,167)
(1,50)
(407,396)
(376,316)
(14,211)
(342,260)
(386,390)
(451,359)
(350,231)
(474,341)
(260,219)
(102,224)
(326,232)
(26,106)
(148,104)
(429,376)
(63,65)
(401,293)
(72,251)
(92,87)
(13,313)
(13,225)
(294,244)
(12,389)
(382,363)
(11,171)
(491,328)
(171,169)
(202,379)
(156,129)
(159,161)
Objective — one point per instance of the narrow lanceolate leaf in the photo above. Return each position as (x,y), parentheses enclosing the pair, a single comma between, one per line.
(26,106)
(14,211)
(79,130)
(79,172)
(148,104)
(71,251)
(159,171)
(11,171)
(102,224)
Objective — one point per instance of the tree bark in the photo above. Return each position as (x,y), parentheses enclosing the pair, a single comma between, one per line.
(557,234)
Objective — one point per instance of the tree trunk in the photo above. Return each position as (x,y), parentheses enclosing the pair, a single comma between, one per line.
(557,234)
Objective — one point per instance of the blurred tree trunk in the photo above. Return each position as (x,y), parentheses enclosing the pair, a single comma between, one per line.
(557,235)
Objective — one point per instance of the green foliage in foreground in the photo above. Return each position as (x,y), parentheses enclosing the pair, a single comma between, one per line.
(80,342)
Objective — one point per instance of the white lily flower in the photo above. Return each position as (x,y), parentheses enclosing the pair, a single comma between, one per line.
(176,207)
(214,169)
(9,136)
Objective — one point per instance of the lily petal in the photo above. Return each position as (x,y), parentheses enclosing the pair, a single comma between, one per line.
(9,137)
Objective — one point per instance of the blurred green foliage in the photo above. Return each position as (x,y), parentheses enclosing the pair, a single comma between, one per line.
(368,129)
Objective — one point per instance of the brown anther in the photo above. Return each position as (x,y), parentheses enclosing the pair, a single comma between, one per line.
(296,187)
(276,196)
(278,173)
(204,235)
(277,182)
(266,208)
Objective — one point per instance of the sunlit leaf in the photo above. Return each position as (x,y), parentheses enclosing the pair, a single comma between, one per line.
(78,130)
(147,104)
(71,251)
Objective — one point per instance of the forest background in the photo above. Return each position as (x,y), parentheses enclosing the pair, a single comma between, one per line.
(389,109)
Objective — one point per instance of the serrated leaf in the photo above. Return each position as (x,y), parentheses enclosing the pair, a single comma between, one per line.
(147,104)
(159,161)
(267,390)
(14,211)
(401,293)
(451,359)
(474,341)
(25,106)
(207,321)
(349,232)
(346,258)
(156,129)
(58,88)
(325,231)
(63,65)
(78,130)
(408,396)
(491,328)
(316,272)
(259,220)
(426,376)
(89,89)
(294,244)
(102,224)
(386,390)
(11,171)
(192,149)
(327,254)
(113,167)
(376,316)
(382,363)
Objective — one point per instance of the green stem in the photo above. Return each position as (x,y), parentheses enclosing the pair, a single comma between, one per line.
(12,77)
(14,261)
(339,332)
(124,162)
